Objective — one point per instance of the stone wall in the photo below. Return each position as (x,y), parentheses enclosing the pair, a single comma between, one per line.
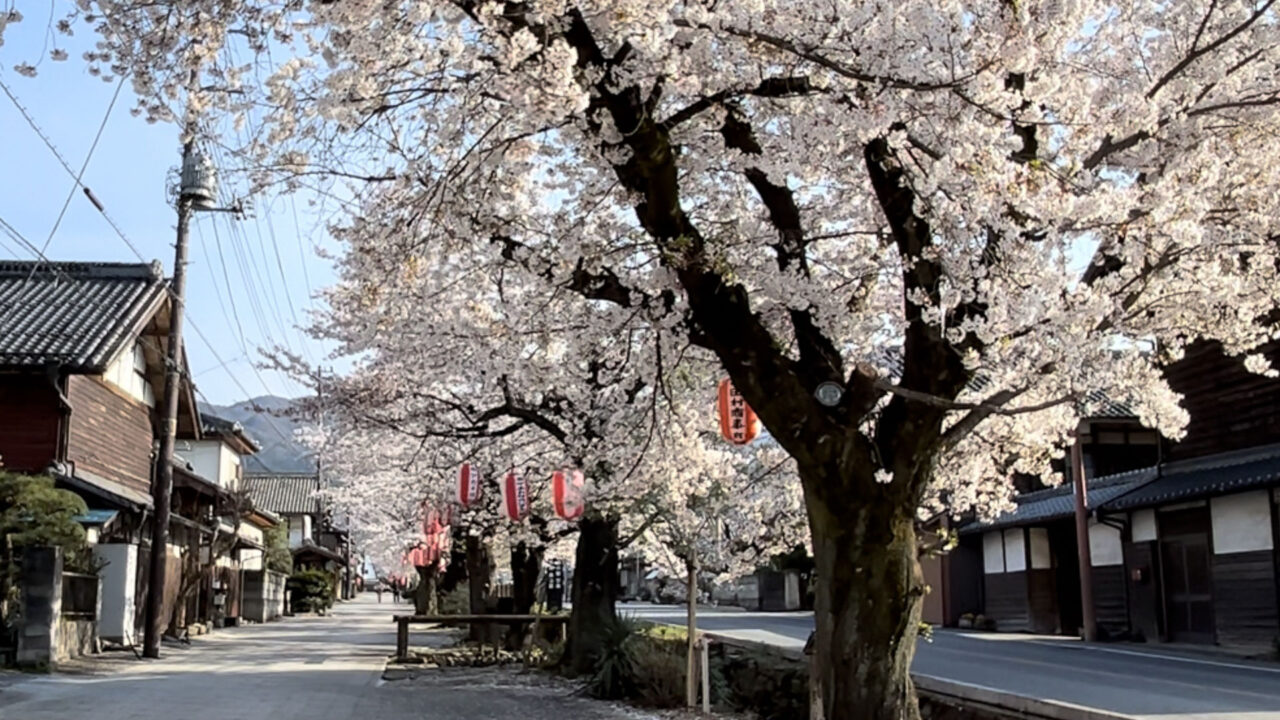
(76,636)
(774,686)
(262,595)
(41,606)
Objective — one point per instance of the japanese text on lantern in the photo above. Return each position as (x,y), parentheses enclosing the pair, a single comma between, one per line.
(738,423)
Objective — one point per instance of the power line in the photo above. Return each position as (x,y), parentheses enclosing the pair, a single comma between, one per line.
(12,232)
(236,380)
(84,166)
(67,167)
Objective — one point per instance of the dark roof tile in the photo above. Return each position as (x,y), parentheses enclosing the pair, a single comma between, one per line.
(285,494)
(73,315)
(1204,477)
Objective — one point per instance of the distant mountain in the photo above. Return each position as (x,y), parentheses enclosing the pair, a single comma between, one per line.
(267,420)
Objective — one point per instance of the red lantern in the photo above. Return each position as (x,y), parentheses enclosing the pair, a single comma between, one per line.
(468,486)
(566,493)
(738,422)
(515,496)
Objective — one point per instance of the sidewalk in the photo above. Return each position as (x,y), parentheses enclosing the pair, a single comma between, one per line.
(305,668)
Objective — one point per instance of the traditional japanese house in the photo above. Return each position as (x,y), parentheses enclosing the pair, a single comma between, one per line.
(82,357)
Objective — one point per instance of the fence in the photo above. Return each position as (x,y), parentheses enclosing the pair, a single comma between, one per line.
(80,595)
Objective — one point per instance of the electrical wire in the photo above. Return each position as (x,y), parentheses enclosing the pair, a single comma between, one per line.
(72,173)
(84,166)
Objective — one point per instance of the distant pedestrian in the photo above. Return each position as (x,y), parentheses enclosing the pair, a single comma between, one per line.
(379,591)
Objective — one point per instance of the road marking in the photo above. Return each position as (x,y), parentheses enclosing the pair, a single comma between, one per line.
(1115,677)
(1162,656)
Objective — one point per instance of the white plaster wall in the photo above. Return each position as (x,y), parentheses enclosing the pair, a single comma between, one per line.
(993,553)
(1041,556)
(1104,545)
(205,457)
(1015,550)
(1241,522)
(295,531)
(1142,524)
(227,465)
(119,579)
(250,559)
(252,533)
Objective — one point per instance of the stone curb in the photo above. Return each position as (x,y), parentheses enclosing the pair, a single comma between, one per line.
(974,696)
(1018,706)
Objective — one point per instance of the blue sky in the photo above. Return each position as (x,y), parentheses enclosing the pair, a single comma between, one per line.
(272,267)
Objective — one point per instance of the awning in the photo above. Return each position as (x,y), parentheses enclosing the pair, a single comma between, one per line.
(96,518)
(1043,506)
(1220,474)
(114,493)
(320,550)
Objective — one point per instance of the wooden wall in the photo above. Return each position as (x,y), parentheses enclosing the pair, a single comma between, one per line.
(1145,612)
(110,434)
(1006,600)
(1110,602)
(1244,595)
(1042,601)
(29,420)
(962,568)
(1230,407)
(934,610)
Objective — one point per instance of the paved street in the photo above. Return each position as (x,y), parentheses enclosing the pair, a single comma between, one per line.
(1133,680)
(298,669)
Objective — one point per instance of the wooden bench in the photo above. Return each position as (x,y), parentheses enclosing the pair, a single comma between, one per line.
(404,621)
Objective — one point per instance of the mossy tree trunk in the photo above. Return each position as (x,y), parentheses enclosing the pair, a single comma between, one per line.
(480,567)
(526,566)
(425,597)
(868,609)
(595,591)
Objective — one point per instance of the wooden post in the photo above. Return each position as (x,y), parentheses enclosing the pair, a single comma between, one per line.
(1082,542)
(691,669)
(706,676)
(402,638)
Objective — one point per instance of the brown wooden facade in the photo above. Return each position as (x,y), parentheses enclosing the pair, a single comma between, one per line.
(109,433)
(30,422)
(1190,552)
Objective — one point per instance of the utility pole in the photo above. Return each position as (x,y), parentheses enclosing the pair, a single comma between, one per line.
(162,490)
(1082,539)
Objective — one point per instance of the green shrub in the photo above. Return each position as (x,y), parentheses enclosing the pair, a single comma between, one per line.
(614,669)
(658,668)
(33,513)
(277,556)
(310,590)
(646,665)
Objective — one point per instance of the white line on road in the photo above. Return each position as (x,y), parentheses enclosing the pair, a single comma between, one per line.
(1163,656)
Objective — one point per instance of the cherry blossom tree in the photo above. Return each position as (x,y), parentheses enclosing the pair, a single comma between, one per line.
(805,189)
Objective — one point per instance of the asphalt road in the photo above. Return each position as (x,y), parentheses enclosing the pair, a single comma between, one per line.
(1134,680)
(304,668)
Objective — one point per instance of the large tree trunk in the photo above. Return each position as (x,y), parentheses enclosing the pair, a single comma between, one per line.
(595,591)
(868,601)
(526,565)
(425,598)
(480,567)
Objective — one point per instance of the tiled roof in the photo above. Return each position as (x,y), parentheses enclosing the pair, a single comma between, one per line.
(284,494)
(1059,502)
(214,425)
(1203,477)
(73,315)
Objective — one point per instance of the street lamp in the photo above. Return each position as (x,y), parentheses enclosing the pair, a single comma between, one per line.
(829,393)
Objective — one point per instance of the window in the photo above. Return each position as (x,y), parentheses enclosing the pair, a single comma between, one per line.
(129,373)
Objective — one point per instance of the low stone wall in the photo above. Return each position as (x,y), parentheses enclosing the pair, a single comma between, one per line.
(76,636)
(775,686)
(262,595)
